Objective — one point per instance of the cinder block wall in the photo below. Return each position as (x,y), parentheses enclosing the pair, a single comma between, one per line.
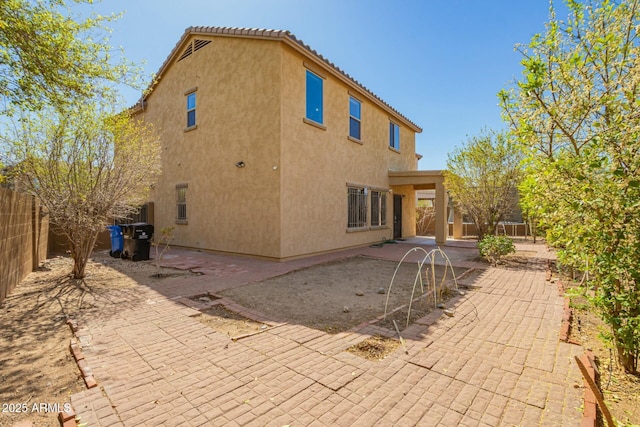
(23,238)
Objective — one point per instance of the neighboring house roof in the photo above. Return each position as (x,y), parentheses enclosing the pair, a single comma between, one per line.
(289,39)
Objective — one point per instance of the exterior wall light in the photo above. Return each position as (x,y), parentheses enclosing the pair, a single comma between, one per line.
(240,164)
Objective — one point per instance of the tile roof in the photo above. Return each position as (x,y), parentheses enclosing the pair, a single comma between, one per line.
(293,41)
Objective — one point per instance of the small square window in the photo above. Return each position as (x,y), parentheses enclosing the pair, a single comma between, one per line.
(191,109)
(355,108)
(314,97)
(394,136)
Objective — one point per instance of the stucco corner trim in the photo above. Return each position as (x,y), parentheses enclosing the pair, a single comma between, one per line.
(352,139)
(315,124)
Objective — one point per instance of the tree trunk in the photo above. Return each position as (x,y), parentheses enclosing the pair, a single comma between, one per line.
(81,249)
(628,361)
(482,229)
(79,264)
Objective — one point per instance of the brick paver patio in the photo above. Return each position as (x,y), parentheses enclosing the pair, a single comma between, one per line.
(497,361)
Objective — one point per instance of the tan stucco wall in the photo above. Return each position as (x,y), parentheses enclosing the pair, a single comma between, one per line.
(290,199)
(317,164)
(238,119)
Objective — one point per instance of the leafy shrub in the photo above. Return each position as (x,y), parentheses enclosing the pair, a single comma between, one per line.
(492,248)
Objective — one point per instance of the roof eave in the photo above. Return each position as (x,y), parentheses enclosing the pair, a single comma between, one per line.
(290,40)
(349,81)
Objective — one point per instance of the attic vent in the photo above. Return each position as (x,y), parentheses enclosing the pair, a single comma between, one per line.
(199,44)
(193,46)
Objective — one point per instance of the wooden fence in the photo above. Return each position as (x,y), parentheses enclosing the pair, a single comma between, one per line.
(24,228)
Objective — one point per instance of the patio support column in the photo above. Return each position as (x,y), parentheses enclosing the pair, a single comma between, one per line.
(457,223)
(442,227)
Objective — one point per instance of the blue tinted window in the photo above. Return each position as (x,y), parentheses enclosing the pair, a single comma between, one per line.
(354,118)
(394,136)
(314,97)
(354,108)
(191,109)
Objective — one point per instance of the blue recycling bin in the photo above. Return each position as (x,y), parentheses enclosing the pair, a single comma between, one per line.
(117,241)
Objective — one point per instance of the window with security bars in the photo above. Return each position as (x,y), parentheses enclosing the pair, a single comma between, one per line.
(378,208)
(357,207)
(181,202)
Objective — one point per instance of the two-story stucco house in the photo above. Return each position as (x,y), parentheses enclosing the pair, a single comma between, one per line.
(270,150)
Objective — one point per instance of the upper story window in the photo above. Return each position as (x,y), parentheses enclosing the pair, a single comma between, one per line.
(191,109)
(355,108)
(314,97)
(394,136)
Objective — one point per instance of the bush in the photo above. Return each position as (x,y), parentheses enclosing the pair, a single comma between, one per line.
(492,248)
(425,215)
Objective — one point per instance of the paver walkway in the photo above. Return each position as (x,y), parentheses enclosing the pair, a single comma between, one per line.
(498,361)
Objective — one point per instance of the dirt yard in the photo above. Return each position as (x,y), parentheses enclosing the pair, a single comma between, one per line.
(35,363)
(228,322)
(621,391)
(339,295)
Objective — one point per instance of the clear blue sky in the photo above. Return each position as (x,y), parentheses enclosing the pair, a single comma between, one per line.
(439,62)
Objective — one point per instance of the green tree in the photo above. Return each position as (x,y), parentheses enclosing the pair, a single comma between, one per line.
(87,166)
(86,161)
(50,57)
(530,210)
(576,113)
(482,178)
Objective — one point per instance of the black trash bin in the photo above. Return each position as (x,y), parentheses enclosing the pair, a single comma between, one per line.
(137,241)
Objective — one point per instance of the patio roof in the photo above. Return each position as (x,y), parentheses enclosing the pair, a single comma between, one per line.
(420,179)
(427,180)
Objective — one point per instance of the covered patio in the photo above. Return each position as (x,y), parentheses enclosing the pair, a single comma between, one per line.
(431,180)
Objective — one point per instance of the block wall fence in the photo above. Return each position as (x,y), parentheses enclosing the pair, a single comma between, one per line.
(24,230)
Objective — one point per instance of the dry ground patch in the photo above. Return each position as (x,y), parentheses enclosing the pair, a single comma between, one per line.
(36,366)
(338,295)
(621,390)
